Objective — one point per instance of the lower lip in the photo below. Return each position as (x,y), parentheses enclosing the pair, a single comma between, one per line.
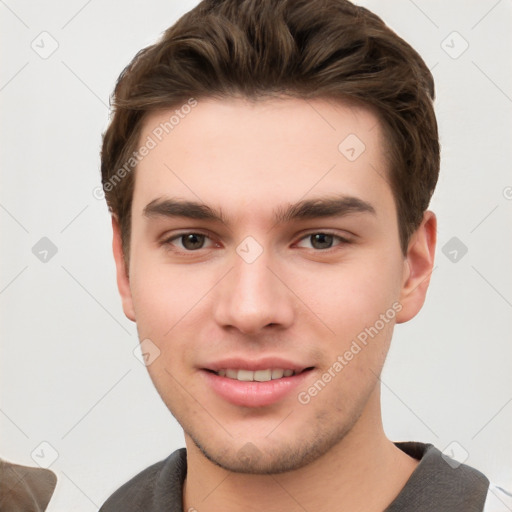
(254,394)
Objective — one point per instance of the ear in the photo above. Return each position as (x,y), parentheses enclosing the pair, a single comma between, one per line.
(418,266)
(123,280)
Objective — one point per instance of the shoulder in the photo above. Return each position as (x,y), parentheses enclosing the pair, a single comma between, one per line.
(24,487)
(440,483)
(158,487)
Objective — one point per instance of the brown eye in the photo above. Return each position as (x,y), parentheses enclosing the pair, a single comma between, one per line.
(321,240)
(188,242)
(192,241)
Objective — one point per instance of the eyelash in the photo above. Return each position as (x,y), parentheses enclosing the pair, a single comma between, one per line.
(342,240)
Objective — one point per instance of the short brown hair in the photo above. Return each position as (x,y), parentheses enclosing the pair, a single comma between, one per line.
(328,49)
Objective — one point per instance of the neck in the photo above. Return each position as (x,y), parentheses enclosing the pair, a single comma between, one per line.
(365,471)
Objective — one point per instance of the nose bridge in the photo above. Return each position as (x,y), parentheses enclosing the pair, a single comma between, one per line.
(251,296)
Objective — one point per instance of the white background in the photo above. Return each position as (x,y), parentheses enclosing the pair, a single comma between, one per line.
(68,373)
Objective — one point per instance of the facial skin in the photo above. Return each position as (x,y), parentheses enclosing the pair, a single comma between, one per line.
(296,300)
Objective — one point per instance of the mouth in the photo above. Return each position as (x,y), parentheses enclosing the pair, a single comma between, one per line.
(265,375)
(259,386)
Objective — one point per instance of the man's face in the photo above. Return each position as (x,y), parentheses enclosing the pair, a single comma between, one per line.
(259,291)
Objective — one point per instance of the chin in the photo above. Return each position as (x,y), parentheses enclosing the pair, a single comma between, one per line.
(262,457)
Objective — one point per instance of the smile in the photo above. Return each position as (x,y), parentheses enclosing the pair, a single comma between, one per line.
(258,375)
(255,388)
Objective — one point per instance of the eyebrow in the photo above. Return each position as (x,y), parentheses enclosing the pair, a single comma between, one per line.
(332,206)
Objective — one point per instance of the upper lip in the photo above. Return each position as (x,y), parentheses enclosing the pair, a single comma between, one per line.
(255,364)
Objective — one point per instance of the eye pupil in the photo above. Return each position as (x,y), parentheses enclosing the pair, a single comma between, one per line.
(196,241)
(324,240)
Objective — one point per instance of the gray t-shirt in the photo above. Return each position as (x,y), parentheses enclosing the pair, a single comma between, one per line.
(434,486)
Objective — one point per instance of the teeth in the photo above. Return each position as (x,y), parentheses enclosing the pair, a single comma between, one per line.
(245,375)
(258,375)
(263,375)
(277,373)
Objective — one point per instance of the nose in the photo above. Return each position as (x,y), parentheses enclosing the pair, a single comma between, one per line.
(253,296)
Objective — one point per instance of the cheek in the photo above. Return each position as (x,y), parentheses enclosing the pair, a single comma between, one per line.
(162,294)
(171,304)
(352,296)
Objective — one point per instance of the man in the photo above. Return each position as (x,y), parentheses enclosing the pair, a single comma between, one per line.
(269,167)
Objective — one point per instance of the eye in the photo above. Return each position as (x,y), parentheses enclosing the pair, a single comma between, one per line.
(323,241)
(189,241)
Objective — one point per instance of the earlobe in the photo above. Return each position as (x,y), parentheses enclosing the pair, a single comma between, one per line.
(418,266)
(123,281)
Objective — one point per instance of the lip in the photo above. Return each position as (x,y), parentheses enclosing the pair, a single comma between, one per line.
(254,394)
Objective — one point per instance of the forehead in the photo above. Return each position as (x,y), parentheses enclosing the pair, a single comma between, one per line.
(261,152)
